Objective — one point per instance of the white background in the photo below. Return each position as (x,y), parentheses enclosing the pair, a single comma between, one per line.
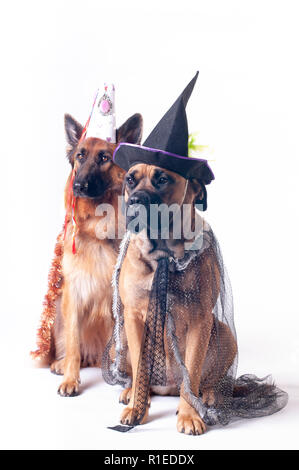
(245,105)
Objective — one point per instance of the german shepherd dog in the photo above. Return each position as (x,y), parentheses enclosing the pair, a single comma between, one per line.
(149,184)
(84,321)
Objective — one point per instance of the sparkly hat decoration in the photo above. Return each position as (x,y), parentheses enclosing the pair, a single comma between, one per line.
(100,124)
(167,144)
(102,119)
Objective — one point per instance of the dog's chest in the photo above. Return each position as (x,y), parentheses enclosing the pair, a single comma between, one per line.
(89,271)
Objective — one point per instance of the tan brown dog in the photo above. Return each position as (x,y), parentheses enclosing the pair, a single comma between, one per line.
(148,184)
(83,322)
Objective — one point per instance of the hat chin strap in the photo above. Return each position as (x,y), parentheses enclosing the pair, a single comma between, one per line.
(185,192)
(184,195)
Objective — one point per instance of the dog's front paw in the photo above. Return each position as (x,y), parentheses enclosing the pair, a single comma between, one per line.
(189,422)
(57,367)
(125,396)
(130,416)
(69,388)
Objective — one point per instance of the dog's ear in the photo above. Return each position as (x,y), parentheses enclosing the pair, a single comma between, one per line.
(201,197)
(73,132)
(131,130)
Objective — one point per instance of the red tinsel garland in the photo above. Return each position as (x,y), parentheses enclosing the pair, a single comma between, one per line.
(44,332)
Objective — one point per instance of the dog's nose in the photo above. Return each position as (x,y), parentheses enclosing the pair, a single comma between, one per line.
(139,198)
(78,186)
(135,200)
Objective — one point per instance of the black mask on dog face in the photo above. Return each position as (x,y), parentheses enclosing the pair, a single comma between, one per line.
(95,170)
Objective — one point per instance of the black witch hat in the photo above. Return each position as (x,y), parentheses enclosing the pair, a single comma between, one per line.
(167,145)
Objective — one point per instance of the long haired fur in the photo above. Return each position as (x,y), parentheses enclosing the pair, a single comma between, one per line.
(83,322)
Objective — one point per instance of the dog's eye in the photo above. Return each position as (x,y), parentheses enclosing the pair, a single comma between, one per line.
(130,180)
(80,156)
(103,157)
(162,180)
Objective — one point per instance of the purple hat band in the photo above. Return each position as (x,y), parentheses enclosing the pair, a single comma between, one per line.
(164,152)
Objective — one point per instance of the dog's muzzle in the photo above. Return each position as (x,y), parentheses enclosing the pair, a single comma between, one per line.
(89,189)
(138,206)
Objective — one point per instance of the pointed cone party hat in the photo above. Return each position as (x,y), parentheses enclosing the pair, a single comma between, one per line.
(101,122)
(167,144)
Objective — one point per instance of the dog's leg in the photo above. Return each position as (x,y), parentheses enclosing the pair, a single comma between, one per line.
(134,326)
(57,366)
(220,356)
(71,379)
(197,342)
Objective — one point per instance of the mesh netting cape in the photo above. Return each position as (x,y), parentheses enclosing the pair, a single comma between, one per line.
(180,287)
